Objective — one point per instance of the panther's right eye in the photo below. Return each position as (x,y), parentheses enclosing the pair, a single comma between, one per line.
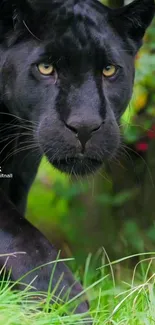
(46,69)
(109,71)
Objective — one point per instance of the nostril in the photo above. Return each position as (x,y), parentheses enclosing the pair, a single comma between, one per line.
(72,128)
(90,129)
(96,128)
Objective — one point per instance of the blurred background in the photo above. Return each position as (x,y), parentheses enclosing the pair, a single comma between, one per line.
(115,208)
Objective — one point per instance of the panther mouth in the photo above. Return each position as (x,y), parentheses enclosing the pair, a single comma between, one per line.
(77,165)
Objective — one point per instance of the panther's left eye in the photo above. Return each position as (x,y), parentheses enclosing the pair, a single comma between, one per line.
(109,71)
(46,69)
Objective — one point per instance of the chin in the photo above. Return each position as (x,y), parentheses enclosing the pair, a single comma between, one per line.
(79,167)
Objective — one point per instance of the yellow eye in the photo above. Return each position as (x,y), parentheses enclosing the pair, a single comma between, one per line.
(109,71)
(46,69)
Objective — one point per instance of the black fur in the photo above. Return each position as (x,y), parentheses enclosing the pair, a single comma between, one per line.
(72,116)
(29,249)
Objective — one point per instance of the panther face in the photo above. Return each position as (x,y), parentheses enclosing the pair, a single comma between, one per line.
(68,67)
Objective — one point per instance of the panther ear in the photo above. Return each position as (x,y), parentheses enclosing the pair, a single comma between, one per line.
(131,21)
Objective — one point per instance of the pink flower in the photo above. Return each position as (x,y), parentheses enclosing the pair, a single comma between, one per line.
(142,146)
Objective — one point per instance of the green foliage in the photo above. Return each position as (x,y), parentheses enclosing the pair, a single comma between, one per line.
(112,301)
(118,199)
(139,116)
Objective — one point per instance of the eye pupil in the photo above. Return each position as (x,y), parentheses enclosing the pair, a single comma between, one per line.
(109,71)
(108,67)
(46,66)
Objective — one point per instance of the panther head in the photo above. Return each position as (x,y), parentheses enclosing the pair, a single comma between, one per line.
(68,67)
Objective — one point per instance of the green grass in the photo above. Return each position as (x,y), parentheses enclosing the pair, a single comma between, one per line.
(113,301)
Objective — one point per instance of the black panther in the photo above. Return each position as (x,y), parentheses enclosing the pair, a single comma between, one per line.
(66,76)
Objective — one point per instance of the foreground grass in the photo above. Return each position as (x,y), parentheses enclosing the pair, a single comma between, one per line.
(131,302)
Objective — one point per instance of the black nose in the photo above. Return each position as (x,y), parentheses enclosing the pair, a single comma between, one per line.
(84,129)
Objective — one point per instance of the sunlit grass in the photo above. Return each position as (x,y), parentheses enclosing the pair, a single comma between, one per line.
(112,301)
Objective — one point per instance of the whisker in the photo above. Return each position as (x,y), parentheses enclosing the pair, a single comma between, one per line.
(19,118)
(12,127)
(18,150)
(31,31)
(38,157)
(8,144)
(16,135)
